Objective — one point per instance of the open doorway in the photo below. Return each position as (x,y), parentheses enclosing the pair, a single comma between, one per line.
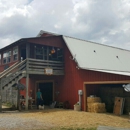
(23,53)
(107,92)
(47,92)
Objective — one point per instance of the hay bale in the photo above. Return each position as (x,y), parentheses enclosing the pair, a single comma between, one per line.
(99,107)
(89,107)
(93,99)
(96,107)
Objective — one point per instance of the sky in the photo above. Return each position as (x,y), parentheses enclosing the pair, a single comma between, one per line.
(102,21)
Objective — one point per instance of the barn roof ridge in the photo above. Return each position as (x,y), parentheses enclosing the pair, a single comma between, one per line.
(56,34)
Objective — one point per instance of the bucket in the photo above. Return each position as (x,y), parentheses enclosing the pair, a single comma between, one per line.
(76,107)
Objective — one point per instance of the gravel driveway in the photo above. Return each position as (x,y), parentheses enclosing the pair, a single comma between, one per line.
(22,121)
(59,119)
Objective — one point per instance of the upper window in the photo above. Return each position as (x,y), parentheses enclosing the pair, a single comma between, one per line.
(48,53)
(15,53)
(39,52)
(55,54)
(7,57)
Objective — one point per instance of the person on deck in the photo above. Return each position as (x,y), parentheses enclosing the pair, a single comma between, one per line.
(39,98)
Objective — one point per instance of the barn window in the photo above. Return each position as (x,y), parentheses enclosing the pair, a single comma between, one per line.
(15,53)
(7,57)
(39,52)
(48,53)
(55,54)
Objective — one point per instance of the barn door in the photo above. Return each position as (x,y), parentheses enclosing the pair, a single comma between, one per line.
(118,105)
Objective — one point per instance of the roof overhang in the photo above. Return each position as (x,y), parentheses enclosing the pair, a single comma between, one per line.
(25,40)
(110,72)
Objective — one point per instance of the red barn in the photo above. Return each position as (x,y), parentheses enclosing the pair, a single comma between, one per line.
(61,66)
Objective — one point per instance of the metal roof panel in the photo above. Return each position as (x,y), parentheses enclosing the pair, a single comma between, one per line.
(99,57)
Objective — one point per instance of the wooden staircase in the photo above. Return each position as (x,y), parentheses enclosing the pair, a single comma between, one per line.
(10,77)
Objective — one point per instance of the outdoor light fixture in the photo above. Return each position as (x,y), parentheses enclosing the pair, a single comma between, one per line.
(73,58)
(77,67)
(53,51)
(126,87)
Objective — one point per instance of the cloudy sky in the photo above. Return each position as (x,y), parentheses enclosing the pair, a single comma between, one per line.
(101,21)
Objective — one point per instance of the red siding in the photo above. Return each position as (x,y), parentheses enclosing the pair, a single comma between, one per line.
(3,66)
(50,41)
(46,35)
(69,84)
(74,78)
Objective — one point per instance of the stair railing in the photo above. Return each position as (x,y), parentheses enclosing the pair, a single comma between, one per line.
(12,72)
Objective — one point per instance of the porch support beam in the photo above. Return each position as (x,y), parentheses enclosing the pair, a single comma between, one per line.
(27,87)
(28,50)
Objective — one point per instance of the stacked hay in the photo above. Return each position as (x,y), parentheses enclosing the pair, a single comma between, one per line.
(91,101)
(99,107)
(94,105)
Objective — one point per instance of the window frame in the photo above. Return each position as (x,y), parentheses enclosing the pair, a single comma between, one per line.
(15,54)
(7,56)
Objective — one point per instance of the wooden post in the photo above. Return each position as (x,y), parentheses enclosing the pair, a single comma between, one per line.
(19,102)
(28,50)
(85,97)
(27,75)
(47,53)
(27,84)
(0,96)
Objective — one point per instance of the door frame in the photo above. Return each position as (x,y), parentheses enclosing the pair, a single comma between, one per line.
(45,81)
(99,82)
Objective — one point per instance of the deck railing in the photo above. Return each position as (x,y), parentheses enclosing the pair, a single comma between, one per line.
(35,66)
(31,66)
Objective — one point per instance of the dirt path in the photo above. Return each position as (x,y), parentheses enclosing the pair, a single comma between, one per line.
(58,119)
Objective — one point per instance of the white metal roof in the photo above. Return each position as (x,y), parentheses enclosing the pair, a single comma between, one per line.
(98,57)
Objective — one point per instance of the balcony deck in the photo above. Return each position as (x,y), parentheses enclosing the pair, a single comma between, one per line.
(44,67)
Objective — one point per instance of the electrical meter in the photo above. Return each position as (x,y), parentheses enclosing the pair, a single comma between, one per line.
(80,92)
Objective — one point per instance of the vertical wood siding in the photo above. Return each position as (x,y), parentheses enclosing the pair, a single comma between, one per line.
(74,79)
(69,84)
